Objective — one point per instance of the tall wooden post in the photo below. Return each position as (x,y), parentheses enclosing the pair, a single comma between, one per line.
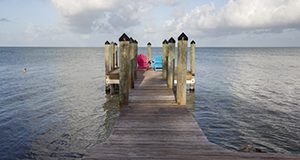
(107,48)
(112,55)
(171,62)
(135,58)
(149,51)
(192,65)
(182,69)
(124,65)
(131,64)
(116,55)
(165,55)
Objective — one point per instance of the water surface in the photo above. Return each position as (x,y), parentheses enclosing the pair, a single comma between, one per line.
(58,109)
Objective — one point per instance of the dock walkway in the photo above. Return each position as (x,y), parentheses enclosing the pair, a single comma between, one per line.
(153,126)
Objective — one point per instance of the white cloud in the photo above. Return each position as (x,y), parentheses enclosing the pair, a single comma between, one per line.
(71,7)
(86,16)
(262,13)
(239,16)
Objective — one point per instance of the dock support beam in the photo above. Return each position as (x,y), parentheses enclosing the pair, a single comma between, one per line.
(149,52)
(135,58)
(165,57)
(115,55)
(182,69)
(112,56)
(131,64)
(124,65)
(171,62)
(192,65)
(107,48)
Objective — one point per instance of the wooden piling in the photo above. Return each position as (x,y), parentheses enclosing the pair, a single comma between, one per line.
(192,64)
(131,64)
(165,55)
(181,69)
(171,62)
(116,55)
(107,48)
(112,66)
(112,55)
(124,65)
(135,58)
(149,52)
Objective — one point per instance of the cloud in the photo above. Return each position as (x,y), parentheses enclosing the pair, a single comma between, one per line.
(4,20)
(71,7)
(34,32)
(239,16)
(86,16)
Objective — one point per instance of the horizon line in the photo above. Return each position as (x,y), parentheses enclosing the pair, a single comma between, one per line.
(28,46)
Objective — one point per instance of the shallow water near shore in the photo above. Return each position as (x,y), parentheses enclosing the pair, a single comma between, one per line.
(58,108)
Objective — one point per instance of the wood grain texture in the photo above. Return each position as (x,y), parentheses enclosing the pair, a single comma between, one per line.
(107,50)
(181,72)
(192,64)
(165,63)
(153,126)
(171,64)
(124,72)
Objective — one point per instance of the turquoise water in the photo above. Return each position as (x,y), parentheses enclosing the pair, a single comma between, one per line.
(58,108)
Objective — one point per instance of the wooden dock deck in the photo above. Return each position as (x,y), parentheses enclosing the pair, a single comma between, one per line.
(153,126)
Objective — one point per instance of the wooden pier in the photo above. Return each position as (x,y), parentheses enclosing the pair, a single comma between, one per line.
(129,53)
(154,122)
(153,126)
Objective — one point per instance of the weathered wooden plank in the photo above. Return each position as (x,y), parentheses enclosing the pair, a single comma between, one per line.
(153,126)
(154,98)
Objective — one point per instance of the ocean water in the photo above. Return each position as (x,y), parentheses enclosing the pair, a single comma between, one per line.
(249,96)
(58,108)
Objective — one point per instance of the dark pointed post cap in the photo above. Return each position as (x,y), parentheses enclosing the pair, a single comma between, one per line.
(131,40)
(136,42)
(106,43)
(172,40)
(124,37)
(183,37)
(193,42)
(165,42)
(149,44)
(116,44)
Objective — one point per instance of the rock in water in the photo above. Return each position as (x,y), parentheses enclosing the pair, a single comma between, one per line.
(250,148)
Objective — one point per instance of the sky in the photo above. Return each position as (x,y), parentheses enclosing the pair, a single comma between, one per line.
(89,23)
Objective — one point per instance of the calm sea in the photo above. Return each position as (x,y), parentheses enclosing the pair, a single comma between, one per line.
(58,108)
